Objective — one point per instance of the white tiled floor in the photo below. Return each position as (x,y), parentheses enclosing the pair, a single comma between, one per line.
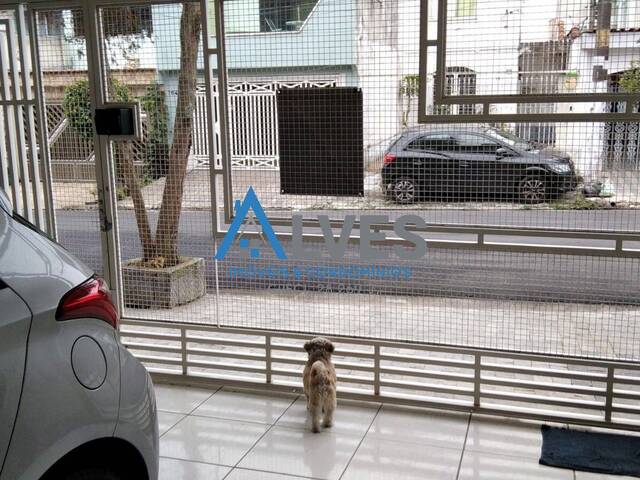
(232,435)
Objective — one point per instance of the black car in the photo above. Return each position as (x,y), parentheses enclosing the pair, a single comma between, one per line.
(473,164)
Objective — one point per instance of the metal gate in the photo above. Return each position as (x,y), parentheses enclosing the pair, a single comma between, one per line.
(24,167)
(515,308)
(254,123)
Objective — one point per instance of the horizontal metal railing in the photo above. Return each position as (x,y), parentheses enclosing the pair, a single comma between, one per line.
(534,386)
(497,239)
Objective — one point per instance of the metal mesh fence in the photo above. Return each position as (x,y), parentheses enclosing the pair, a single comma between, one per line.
(353,67)
(66,95)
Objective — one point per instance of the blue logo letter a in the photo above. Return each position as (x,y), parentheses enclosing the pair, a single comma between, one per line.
(250,202)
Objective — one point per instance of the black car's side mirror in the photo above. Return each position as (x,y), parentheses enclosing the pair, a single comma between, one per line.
(504,152)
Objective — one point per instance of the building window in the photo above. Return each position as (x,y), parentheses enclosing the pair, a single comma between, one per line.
(50,23)
(119,21)
(253,16)
(284,15)
(466,8)
(460,81)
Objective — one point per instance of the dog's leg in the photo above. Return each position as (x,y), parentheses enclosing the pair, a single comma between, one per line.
(315,409)
(329,407)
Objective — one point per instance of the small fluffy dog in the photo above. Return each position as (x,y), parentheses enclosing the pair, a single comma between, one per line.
(319,378)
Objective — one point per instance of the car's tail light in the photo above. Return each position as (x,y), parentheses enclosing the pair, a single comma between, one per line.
(91,299)
(388,158)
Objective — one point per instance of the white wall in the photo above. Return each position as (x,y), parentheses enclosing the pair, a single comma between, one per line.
(586,141)
(388,50)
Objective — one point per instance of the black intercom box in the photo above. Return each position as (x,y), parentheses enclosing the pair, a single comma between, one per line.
(116,121)
(321,141)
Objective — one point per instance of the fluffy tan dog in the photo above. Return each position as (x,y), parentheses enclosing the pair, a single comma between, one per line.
(319,378)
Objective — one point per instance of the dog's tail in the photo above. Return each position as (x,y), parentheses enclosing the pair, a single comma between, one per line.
(319,377)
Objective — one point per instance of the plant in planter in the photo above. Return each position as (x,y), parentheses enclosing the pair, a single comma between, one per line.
(161,278)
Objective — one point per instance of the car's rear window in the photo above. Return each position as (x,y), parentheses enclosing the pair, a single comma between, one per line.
(435,142)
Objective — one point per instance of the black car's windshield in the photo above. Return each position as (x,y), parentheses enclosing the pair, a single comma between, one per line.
(510,139)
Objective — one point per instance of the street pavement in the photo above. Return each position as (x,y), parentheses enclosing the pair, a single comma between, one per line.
(441,273)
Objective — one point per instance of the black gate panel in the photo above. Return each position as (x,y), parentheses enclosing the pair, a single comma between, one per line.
(320,135)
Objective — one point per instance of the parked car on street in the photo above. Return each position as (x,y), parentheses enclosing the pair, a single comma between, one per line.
(74,403)
(473,164)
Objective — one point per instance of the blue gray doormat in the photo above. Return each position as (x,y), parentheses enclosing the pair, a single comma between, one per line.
(590,452)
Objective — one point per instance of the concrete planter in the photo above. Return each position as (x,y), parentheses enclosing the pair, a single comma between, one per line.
(163,287)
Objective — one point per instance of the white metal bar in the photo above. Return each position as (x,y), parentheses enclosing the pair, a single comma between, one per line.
(9,117)
(44,152)
(22,157)
(27,75)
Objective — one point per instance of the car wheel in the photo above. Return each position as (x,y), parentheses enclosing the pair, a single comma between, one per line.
(532,189)
(94,473)
(404,190)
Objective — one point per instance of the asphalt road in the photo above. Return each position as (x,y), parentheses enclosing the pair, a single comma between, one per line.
(449,273)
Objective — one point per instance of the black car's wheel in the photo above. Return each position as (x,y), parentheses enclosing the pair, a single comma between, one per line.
(533,189)
(403,190)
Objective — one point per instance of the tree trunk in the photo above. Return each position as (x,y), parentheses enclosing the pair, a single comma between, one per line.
(124,159)
(170,209)
(125,167)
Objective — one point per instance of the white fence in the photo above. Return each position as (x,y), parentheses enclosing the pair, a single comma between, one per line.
(547,388)
(254,123)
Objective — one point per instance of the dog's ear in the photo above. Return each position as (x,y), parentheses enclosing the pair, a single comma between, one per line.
(307,346)
(330,347)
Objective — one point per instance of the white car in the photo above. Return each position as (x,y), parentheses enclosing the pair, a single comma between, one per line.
(74,403)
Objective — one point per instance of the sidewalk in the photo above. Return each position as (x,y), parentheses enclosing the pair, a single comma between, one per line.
(601,331)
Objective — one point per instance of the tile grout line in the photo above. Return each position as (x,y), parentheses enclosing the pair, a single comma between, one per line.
(272,473)
(185,415)
(201,462)
(464,446)
(261,437)
(205,400)
(360,442)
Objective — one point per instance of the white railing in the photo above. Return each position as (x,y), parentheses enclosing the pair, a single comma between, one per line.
(253,121)
(541,387)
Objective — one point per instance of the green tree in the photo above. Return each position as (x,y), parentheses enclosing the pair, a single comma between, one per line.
(630,80)
(160,250)
(157,147)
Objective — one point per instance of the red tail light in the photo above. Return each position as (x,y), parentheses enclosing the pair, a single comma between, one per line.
(388,158)
(91,299)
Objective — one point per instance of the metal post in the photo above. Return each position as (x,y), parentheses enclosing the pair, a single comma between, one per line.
(376,370)
(477,370)
(9,117)
(14,47)
(223,109)
(609,398)
(105,176)
(45,154)
(211,124)
(34,166)
(267,340)
(183,350)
